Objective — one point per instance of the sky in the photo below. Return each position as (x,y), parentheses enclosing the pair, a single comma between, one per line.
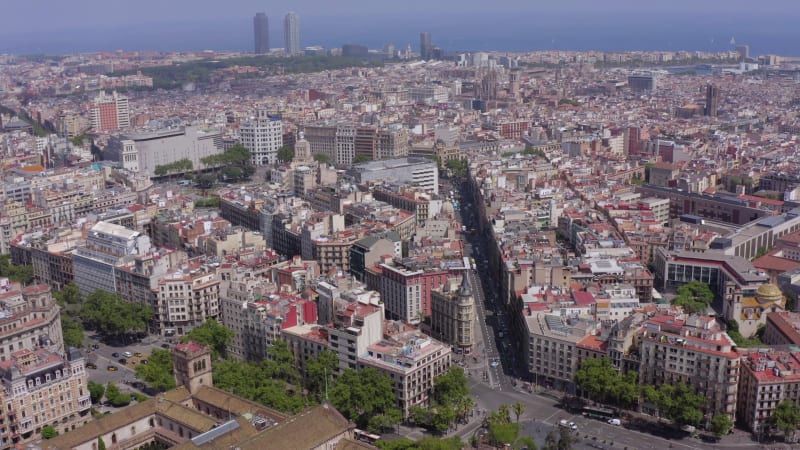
(58,26)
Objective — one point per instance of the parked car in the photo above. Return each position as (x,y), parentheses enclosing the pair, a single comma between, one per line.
(115,354)
(111,368)
(137,354)
(164,345)
(95,346)
(616,422)
(127,354)
(122,361)
(91,366)
(144,361)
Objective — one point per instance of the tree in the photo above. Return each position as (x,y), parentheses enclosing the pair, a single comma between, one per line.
(361,159)
(101,445)
(205,181)
(677,401)
(426,443)
(158,370)
(602,383)
(15,273)
(72,331)
(320,371)
(49,432)
(721,425)
(322,158)
(451,386)
(458,167)
(96,391)
(518,409)
(694,296)
(113,317)
(286,154)
(363,394)
(212,334)
(116,397)
(786,417)
(68,295)
(258,382)
(791,300)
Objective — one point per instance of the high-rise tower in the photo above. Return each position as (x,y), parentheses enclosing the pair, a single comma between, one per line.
(425,46)
(291,34)
(712,100)
(261,33)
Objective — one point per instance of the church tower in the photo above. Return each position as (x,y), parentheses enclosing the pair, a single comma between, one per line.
(192,366)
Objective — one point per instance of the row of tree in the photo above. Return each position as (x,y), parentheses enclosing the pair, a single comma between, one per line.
(678,402)
(179,166)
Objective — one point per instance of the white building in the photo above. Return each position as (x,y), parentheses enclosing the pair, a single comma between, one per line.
(413,170)
(142,152)
(106,247)
(263,136)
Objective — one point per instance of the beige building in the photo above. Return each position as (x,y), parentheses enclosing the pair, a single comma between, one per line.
(692,350)
(42,388)
(767,378)
(412,360)
(29,319)
(187,298)
(552,342)
(453,318)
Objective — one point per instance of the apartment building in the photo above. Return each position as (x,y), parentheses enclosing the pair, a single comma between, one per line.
(453,317)
(413,170)
(412,360)
(109,112)
(187,297)
(40,388)
(552,347)
(782,328)
(29,319)
(693,350)
(262,134)
(405,286)
(767,378)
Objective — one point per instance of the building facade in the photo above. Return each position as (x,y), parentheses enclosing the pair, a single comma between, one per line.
(291,34)
(262,134)
(453,318)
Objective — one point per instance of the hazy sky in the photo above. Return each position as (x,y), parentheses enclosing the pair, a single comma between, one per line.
(89,25)
(52,15)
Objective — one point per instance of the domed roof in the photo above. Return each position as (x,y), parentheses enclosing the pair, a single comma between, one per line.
(769,292)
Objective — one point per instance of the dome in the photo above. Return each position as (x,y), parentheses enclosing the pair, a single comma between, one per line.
(769,292)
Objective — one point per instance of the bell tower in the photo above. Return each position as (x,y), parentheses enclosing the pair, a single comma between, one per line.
(192,366)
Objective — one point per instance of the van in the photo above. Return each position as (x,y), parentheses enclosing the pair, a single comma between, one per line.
(616,422)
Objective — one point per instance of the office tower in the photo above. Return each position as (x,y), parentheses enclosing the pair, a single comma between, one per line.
(109,112)
(425,45)
(291,34)
(263,136)
(261,33)
(712,100)
(743,51)
(642,83)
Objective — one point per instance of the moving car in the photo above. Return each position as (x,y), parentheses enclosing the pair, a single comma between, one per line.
(570,425)
(111,368)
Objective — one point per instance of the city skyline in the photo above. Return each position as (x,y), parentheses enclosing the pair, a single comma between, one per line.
(618,26)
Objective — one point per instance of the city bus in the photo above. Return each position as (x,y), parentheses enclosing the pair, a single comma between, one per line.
(363,436)
(596,412)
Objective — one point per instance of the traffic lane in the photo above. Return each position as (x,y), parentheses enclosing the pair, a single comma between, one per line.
(545,411)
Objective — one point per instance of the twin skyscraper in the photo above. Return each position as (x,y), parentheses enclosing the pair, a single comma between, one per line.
(291,33)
